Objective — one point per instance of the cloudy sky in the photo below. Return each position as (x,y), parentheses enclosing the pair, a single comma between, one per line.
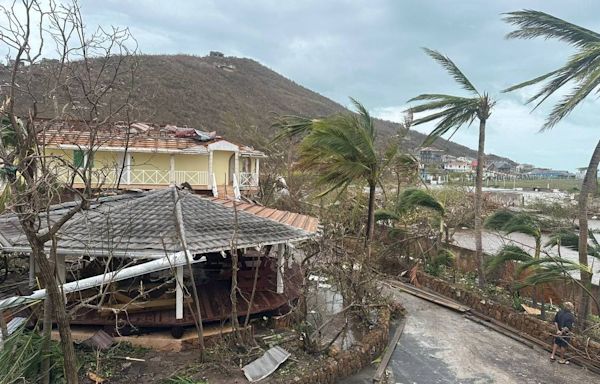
(370,50)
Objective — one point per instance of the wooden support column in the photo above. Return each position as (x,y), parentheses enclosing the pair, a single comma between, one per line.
(127,168)
(280,267)
(210,168)
(31,271)
(61,268)
(237,166)
(257,170)
(172,169)
(179,293)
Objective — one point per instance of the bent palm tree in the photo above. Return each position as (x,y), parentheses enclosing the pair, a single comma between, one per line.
(582,71)
(510,222)
(452,112)
(342,149)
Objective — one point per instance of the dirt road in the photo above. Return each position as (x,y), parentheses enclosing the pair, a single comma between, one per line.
(440,346)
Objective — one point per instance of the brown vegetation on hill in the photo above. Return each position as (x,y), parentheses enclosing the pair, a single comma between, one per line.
(236,97)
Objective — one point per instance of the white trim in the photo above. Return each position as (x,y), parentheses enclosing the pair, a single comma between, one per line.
(280,267)
(198,150)
(223,145)
(179,293)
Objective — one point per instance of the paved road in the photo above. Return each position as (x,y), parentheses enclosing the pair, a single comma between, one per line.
(440,346)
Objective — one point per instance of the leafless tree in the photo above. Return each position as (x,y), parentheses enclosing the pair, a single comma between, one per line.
(80,84)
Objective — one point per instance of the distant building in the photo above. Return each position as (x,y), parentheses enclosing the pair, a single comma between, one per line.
(458,166)
(500,167)
(430,155)
(524,168)
(216,54)
(544,173)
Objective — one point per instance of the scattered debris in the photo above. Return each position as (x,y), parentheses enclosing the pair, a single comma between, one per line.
(99,340)
(266,364)
(13,325)
(531,310)
(97,379)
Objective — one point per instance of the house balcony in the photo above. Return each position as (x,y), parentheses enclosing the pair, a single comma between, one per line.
(150,179)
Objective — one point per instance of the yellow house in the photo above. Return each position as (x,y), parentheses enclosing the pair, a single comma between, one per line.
(146,156)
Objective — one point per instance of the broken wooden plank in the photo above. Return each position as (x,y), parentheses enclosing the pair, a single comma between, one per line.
(385,360)
(531,310)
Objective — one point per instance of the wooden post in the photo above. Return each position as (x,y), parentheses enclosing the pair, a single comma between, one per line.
(280,267)
(236,165)
(61,268)
(211,177)
(31,270)
(257,170)
(172,170)
(179,293)
(128,168)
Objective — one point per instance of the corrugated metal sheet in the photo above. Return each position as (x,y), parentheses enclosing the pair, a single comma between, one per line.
(266,364)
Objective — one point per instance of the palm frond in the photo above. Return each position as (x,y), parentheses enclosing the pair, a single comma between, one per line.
(507,253)
(582,69)
(413,198)
(562,264)
(290,126)
(498,219)
(527,83)
(386,214)
(567,239)
(452,69)
(523,223)
(531,24)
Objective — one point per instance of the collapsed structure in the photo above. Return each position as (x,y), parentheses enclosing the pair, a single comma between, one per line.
(129,260)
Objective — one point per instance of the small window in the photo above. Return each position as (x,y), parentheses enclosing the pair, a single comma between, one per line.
(78,158)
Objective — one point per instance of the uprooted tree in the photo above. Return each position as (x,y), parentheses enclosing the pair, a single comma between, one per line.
(87,70)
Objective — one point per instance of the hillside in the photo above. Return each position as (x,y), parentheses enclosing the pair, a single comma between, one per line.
(236,97)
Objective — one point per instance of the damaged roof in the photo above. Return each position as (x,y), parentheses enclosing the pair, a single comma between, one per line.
(137,137)
(144,225)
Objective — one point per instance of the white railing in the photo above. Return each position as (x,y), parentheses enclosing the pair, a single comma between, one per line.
(108,178)
(191,177)
(148,176)
(248,179)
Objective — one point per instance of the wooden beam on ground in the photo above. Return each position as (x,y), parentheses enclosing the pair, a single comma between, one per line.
(425,295)
(389,350)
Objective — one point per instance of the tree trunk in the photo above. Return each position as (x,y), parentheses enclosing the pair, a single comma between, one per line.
(370,218)
(60,311)
(588,186)
(478,203)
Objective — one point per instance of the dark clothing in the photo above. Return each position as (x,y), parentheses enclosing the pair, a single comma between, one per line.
(563,319)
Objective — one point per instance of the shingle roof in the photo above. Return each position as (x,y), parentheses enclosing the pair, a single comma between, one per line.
(144,225)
